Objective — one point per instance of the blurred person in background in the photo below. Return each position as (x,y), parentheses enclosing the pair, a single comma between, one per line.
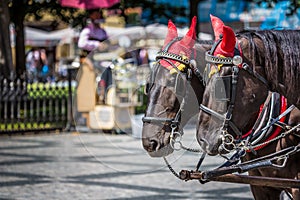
(37,65)
(92,36)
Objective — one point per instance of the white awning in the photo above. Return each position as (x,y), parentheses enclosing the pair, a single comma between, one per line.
(37,37)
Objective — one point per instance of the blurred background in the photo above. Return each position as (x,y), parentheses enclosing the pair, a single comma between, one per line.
(44,83)
(48,86)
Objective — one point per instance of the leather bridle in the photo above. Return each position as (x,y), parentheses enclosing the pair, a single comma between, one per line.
(236,63)
(188,71)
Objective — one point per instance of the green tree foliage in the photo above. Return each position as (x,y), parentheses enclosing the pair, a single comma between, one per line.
(37,9)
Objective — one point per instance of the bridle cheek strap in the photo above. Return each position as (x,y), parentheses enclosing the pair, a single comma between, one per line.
(235,71)
(227,117)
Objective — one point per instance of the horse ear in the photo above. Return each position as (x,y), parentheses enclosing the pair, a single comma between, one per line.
(190,37)
(172,32)
(217,25)
(226,48)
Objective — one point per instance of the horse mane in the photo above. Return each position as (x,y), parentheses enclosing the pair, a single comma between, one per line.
(278,53)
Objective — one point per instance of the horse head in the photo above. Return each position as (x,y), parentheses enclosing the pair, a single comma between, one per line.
(230,104)
(242,69)
(175,84)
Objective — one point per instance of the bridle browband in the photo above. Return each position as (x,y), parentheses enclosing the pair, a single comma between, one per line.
(171,56)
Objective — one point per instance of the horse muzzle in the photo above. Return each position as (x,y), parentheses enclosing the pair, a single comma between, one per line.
(157,145)
(156,148)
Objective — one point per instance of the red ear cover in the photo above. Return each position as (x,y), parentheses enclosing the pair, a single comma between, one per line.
(217,25)
(189,39)
(172,32)
(226,48)
(183,47)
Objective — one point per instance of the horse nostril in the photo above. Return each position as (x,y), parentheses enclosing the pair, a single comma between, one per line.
(153,144)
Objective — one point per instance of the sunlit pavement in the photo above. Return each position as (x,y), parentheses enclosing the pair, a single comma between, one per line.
(101,166)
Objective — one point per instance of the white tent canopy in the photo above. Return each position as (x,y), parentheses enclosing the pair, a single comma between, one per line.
(157,31)
(37,37)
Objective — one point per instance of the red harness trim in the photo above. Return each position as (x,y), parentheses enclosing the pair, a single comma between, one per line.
(277,129)
(249,132)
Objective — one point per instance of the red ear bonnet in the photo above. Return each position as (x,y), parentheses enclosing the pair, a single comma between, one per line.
(183,47)
(217,25)
(189,39)
(226,48)
(172,33)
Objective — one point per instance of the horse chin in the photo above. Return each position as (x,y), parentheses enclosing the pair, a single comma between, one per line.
(211,148)
(165,151)
(207,149)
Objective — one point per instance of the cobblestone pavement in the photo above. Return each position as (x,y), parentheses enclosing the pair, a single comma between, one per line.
(101,166)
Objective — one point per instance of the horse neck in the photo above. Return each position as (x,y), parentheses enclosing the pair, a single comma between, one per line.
(276,54)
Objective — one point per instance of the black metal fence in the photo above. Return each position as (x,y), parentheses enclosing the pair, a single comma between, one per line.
(32,107)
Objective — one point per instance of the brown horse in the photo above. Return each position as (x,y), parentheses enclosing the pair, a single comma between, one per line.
(242,69)
(175,85)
